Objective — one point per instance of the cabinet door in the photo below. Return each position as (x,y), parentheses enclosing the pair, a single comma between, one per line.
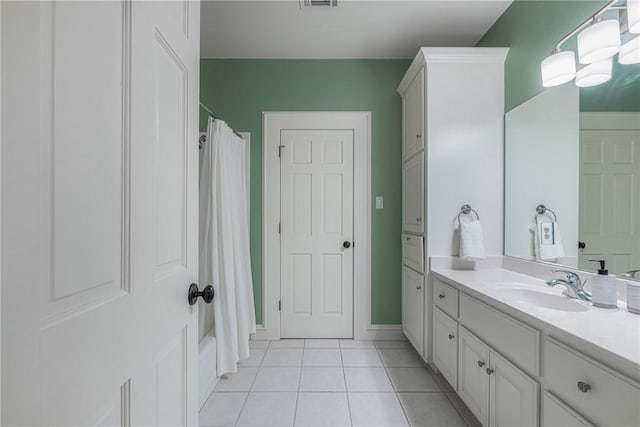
(473,381)
(445,346)
(413,307)
(413,194)
(413,117)
(557,414)
(513,394)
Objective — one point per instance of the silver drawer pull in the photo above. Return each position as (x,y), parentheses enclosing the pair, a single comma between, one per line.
(441,296)
(451,336)
(583,387)
(480,363)
(489,371)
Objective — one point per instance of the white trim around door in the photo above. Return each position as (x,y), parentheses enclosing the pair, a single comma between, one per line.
(272,125)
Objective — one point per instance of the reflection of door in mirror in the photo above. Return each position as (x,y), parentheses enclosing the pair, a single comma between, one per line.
(609,222)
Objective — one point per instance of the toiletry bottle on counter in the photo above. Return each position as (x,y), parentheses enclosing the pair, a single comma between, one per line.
(603,288)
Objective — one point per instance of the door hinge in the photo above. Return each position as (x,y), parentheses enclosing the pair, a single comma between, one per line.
(279,305)
(280,147)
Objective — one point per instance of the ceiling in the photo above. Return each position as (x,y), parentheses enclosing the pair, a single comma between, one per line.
(354,29)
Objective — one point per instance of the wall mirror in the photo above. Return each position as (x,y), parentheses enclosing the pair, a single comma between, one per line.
(584,168)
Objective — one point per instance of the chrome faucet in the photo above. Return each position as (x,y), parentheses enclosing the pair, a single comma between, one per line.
(631,274)
(573,284)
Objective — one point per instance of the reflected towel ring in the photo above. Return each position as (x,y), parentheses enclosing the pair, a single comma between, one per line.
(467,209)
(542,210)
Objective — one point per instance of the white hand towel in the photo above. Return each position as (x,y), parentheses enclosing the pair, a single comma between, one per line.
(547,241)
(471,241)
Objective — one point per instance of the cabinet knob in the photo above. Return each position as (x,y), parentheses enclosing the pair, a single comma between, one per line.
(418,287)
(480,363)
(408,238)
(489,371)
(418,135)
(451,336)
(441,296)
(418,219)
(583,387)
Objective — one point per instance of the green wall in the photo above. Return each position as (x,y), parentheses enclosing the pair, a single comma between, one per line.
(240,90)
(531,29)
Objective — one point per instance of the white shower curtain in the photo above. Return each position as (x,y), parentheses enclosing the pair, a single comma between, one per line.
(224,245)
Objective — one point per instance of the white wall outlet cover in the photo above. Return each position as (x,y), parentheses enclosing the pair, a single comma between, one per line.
(379,202)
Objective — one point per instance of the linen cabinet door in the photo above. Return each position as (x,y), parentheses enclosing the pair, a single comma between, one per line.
(413,194)
(413,117)
(413,307)
(513,394)
(445,346)
(473,381)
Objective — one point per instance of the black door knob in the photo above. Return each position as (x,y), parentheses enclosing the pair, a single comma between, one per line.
(207,294)
(346,244)
(582,245)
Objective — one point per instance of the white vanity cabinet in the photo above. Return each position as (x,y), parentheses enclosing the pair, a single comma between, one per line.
(442,133)
(445,346)
(512,370)
(496,391)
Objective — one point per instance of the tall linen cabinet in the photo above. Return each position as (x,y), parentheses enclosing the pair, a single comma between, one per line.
(452,152)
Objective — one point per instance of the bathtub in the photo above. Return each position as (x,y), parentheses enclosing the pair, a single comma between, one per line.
(207,378)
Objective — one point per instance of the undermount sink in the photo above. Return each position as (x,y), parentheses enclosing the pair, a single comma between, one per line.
(542,299)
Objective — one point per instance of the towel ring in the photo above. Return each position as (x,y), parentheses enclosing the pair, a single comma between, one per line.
(542,210)
(467,209)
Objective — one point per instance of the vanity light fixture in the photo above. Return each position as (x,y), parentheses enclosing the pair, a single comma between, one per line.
(630,52)
(598,41)
(558,68)
(594,74)
(633,16)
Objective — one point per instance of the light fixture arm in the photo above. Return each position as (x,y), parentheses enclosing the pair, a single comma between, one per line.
(609,6)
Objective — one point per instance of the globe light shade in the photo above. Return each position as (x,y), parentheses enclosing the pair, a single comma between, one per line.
(633,16)
(558,68)
(594,74)
(630,52)
(599,41)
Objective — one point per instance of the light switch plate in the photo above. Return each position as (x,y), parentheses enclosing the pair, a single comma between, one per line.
(379,202)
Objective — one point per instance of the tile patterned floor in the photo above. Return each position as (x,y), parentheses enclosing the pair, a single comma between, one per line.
(334,383)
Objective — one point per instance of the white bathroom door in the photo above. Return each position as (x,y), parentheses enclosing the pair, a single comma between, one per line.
(100,212)
(609,201)
(316,188)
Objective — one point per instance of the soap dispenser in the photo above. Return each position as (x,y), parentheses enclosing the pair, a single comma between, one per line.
(603,288)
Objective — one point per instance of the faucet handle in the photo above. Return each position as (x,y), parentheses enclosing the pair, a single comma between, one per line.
(571,276)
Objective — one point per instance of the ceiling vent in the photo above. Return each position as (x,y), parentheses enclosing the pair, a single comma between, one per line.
(329,3)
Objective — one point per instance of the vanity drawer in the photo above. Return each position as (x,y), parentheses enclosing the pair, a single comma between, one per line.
(445,297)
(412,252)
(515,340)
(599,394)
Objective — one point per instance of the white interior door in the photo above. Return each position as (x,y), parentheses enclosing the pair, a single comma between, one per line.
(316,233)
(609,201)
(99,211)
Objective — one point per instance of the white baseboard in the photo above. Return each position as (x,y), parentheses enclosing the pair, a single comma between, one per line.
(382,333)
(261,333)
(373,332)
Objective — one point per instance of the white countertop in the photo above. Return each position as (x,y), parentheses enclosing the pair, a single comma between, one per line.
(615,330)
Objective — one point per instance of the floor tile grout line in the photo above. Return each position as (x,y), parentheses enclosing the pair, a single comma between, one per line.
(346,388)
(404,412)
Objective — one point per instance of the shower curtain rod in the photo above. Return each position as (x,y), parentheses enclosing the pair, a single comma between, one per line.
(215,116)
